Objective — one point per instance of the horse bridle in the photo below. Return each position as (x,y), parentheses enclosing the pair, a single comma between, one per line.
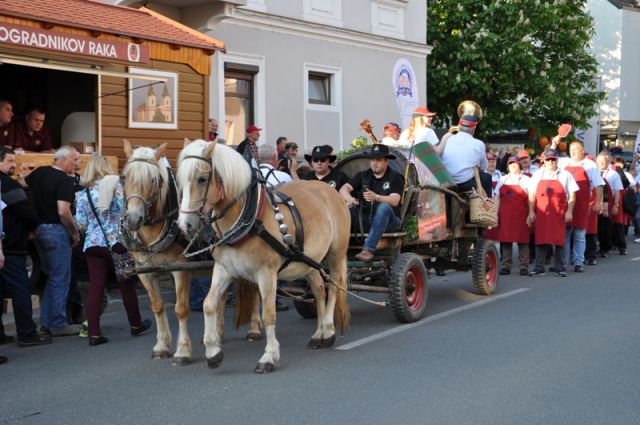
(148,203)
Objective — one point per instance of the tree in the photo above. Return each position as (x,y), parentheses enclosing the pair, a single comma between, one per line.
(526,62)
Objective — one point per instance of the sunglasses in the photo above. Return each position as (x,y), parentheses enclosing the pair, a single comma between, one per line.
(320,160)
(550,159)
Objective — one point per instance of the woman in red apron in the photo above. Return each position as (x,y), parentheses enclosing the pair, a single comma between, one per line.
(513,209)
(550,208)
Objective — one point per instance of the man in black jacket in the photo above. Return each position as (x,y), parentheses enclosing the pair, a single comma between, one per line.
(20,221)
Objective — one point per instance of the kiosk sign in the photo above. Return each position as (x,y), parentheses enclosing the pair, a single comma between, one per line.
(21,35)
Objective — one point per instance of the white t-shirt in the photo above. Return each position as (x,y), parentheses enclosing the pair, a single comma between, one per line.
(632,180)
(273,176)
(495,177)
(521,180)
(461,154)
(613,179)
(590,167)
(564,177)
(420,134)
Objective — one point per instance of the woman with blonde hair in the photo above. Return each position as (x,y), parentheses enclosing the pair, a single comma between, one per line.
(98,210)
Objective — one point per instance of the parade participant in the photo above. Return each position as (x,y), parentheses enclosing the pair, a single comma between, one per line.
(320,158)
(525,160)
(612,210)
(381,189)
(512,200)
(463,152)
(250,142)
(53,195)
(101,229)
(419,130)
(492,162)
(6,129)
(391,136)
(551,201)
(31,134)
(268,169)
(585,173)
(20,221)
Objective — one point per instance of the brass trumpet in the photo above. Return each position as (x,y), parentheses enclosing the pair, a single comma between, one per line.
(467,107)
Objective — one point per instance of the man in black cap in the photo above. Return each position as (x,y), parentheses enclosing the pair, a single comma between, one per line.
(320,159)
(381,190)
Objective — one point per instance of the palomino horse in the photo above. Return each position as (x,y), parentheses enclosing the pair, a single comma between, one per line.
(147,226)
(218,181)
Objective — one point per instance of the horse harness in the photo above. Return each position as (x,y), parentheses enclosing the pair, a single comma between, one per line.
(250,221)
(171,233)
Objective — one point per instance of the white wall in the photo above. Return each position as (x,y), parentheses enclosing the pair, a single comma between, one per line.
(630,79)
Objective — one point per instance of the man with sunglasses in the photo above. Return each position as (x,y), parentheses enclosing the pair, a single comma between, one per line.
(320,159)
(552,196)
(379,205)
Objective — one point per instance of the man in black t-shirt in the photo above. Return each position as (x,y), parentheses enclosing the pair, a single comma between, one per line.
(381,189)
(52,197)
(320,159)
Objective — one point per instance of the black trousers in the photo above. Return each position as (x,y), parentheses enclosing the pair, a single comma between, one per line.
(605,233)
(591,248)
(618,236)
(485,181)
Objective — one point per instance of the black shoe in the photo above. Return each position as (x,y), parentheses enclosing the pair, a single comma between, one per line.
(3,359)
(536,273)
(34,340)
(45,330)
(604,254)
(552,269)
(578,269)
(97,340)
(146,324)
(440,272)
(505,272)
(592,262)
(524,272)
(623,252)
(6,339)
(562,274)
(280,306)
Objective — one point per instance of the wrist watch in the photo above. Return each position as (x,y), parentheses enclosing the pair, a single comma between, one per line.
(377,197)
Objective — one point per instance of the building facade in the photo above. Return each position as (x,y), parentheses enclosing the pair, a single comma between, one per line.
(309,70)
(616,45)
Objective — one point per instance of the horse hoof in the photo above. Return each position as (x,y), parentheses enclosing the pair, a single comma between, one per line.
(160,355)
(314,344)
(181,361)
(326,343)
(265,368)
(215,361)
(254,336)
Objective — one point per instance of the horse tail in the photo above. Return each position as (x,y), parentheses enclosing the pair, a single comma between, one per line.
(342,314)
(244,302)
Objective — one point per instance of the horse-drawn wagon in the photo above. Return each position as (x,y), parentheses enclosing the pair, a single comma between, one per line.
(436,233)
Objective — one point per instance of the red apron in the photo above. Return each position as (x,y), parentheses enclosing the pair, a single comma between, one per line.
(512,215)
(551,207)
(621,217)
(581,207)
(592,228)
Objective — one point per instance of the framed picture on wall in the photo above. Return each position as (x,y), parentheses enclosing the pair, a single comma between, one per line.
(153,103)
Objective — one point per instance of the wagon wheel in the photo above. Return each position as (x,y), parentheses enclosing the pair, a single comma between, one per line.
(485,267)
(409,288)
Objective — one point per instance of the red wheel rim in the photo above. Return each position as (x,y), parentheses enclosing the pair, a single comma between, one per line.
(414,288)
(491,267)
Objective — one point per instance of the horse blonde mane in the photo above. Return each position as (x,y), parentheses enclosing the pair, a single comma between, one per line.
(232,169)
(145,176)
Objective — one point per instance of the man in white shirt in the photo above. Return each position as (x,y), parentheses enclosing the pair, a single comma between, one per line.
(268,169)
(610,211)
(463,152)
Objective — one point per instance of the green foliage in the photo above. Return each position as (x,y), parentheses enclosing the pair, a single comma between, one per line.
(410,226)
(356,145)
(526,62)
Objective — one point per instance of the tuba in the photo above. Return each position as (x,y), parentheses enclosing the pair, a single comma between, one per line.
(467,107)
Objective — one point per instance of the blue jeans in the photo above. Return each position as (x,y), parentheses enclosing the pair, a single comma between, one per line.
(579,245)
(55,244)
(14,276)
(384,219)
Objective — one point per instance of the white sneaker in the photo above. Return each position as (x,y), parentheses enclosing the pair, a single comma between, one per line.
(637,240)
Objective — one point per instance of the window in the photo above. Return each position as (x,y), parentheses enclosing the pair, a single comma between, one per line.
(328,12)
(238,101)
(387,18)
(319,88)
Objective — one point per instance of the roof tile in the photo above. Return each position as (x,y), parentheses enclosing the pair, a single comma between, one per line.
(90,14)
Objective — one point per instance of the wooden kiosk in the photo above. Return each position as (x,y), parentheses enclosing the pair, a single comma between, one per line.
(104,73)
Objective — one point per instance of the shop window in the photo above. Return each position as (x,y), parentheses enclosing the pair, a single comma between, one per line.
(238,101)
(319,88)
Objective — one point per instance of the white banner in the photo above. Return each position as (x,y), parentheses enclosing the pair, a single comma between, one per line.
(589,137)
(405,89)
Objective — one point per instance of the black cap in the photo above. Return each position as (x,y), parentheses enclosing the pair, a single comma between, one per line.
(380,151)
(321,152)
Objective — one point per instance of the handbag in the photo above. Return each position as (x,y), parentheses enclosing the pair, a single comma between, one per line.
(123,263)
(482,210)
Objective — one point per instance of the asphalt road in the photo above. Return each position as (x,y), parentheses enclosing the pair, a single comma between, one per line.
(546,350)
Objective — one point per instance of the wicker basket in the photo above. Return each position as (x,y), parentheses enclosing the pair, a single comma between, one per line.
(482,210)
